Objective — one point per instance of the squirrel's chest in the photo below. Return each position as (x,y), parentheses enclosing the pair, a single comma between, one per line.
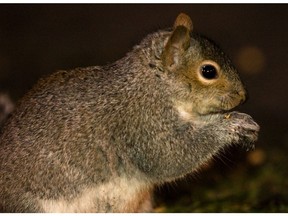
(118,195)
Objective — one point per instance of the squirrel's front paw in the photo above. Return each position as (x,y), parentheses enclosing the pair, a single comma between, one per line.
(243,129)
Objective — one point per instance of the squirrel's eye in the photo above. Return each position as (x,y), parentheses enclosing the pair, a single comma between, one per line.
(209,72)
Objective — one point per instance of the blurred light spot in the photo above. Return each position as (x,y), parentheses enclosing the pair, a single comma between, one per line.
(160,209)
(6,106)
(250,60)
(256,157)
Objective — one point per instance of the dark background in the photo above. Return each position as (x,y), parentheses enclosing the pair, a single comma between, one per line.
(36,40)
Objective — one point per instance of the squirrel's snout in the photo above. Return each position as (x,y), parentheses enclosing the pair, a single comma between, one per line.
(243,96)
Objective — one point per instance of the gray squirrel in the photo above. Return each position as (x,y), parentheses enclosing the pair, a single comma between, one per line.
(99,139)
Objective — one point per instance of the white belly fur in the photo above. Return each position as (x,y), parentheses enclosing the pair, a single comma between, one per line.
(120,195)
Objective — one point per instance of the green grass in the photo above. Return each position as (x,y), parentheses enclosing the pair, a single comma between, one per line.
(239,187)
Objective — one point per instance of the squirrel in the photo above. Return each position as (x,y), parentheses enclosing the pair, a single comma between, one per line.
(100,138)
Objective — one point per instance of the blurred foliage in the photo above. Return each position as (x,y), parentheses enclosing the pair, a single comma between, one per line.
(245,187)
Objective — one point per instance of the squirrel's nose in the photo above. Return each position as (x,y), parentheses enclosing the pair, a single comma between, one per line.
(243,96)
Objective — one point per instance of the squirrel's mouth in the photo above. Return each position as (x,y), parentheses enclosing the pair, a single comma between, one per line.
(217,105)
(204,112)
(229,101)
(217,111)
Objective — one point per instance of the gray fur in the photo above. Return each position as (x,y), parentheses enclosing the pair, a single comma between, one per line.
(89,128)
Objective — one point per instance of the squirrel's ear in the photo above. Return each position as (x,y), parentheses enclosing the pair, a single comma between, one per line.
(178,42)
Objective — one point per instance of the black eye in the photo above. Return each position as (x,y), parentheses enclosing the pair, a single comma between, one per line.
(209,72)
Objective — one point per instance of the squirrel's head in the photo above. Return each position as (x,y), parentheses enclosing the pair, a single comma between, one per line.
(206,81)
